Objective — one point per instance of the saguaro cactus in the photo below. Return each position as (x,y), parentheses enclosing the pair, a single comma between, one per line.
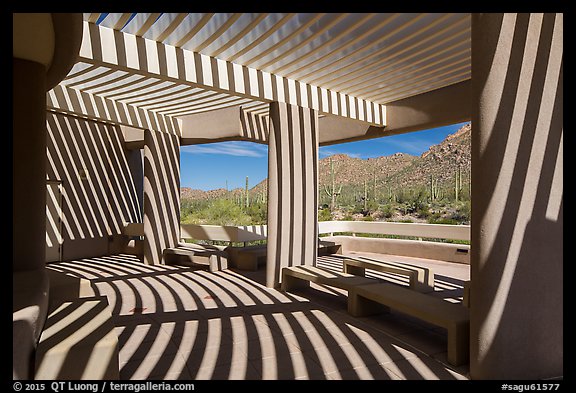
(365,195)
(457,183)
(434,192)
(374,195)
(247,194)
(332,193)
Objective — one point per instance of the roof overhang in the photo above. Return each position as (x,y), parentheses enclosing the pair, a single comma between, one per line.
(174,72)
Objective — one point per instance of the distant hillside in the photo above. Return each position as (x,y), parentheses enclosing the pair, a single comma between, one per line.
(190,193)
(440,162)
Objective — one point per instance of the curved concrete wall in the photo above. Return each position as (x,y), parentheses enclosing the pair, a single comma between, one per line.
(441,231)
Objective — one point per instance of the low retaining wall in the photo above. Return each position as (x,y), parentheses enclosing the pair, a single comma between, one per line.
(449,252)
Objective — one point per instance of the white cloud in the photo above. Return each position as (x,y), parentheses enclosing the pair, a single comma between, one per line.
(412,146)
(323,153)
(238,149)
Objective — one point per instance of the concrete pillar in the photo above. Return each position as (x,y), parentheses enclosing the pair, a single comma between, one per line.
(161,194)
(292,189)
(516,295)
(28,165)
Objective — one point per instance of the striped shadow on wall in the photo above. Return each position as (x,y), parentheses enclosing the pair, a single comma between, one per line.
(161,194)
(292,189)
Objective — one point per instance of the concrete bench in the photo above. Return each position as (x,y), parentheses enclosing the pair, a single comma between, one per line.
(78,342)
(67,287)
(366,300)
(190,254)
(130,240)
(301,276)
(251,257)
(247,258)
(420,279)
(326,247)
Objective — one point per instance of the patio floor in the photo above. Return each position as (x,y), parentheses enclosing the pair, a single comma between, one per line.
(178,323)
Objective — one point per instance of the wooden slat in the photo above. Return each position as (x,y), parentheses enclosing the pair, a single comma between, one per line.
(284,41)
(330,67)
(171,27)
(260,39)
(345,33)
(217,33)
(342,81)
(197,27)
(302,43)
(147,24)
(231,41)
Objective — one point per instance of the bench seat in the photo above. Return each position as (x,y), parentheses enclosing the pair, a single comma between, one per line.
(421,279)
(328,247)
(298,276)
(190,254)
(455,318)
(247,258)
(251,257)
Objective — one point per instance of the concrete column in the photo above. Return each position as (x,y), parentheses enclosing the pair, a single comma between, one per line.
(28,165)
(292,189)
(517,192)
(161,194)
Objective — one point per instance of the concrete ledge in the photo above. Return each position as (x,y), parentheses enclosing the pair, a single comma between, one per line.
(78,342)
(363,299)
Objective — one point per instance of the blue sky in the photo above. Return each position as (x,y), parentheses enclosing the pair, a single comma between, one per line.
(210,166)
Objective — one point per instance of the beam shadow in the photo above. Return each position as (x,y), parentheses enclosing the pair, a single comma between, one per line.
(178,323)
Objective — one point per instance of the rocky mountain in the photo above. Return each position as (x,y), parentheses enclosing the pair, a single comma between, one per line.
(190,193)
(440,164)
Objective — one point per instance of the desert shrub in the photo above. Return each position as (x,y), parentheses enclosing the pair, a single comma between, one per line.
(218,212)
(462,212)
(444,220)
(387,210)
(406,220)
(423,211)
(324,215)
(258,212)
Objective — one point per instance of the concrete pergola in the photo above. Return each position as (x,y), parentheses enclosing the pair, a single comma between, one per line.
(151,83)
